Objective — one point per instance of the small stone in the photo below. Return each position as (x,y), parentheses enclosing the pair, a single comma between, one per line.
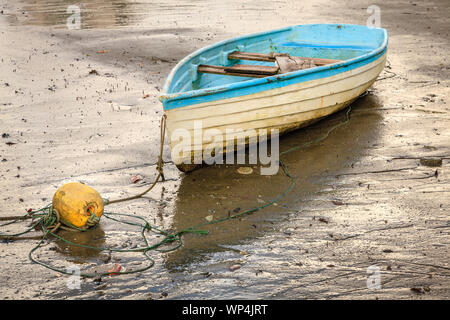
(245,170)
(235,267)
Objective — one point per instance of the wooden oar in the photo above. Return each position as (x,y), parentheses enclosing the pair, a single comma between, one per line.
(240,70)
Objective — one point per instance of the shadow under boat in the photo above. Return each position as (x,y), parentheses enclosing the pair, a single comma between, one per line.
(219,191)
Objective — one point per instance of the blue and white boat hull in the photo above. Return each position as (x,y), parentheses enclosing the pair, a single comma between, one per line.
(284,102)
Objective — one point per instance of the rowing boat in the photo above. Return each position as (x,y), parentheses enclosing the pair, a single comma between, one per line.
(283,79)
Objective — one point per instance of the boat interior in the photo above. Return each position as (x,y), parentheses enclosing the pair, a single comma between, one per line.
(261,55)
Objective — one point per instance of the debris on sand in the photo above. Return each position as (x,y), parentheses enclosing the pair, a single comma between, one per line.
(431,162)
(323,220)
(136,178)
(115,269)
(420,290)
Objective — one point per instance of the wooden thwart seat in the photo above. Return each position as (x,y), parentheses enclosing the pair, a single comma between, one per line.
(284,63)
(238,55)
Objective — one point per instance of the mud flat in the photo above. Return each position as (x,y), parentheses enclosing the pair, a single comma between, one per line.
(373,198)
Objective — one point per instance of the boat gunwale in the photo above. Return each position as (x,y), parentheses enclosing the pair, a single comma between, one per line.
(164,97)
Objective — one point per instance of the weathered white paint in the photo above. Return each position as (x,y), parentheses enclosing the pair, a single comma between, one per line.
(285,108)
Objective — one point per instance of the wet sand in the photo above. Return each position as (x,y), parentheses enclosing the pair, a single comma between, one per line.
(362,198)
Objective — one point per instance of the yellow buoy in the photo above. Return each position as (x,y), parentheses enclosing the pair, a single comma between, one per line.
(78,205)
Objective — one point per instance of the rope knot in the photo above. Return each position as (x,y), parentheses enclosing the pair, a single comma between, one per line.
(93,219)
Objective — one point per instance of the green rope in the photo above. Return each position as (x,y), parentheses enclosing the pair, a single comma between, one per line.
(47,219)
(43,215)
(109,215)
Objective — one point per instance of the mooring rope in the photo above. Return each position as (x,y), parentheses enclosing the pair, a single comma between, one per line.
(50,222)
